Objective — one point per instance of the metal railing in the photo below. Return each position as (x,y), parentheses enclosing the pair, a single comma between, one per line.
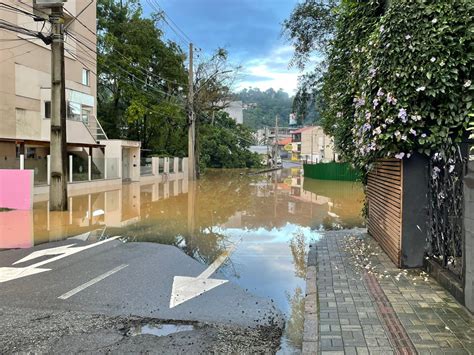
(95,129)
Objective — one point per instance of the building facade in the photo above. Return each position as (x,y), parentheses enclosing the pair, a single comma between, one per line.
(235,109)
(25,100)
(311,144)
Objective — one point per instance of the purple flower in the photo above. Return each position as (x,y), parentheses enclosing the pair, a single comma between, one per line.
(366,127)
(375,102)
(359,101)
(372,72)
(412,131)
(380,92)
(391,99)
(423,135)
(403,115)
(400,155)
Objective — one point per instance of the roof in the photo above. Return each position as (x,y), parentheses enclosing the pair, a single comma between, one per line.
(47,143)
(302,130)
(285,141)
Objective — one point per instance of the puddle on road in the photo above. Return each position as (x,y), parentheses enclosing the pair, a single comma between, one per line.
(160,330)
(272,218)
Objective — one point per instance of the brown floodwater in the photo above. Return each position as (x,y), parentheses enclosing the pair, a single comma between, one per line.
(270,219)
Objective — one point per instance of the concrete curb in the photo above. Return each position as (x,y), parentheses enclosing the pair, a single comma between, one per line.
(311,308)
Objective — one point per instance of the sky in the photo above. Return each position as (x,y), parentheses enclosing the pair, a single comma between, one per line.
(249,29)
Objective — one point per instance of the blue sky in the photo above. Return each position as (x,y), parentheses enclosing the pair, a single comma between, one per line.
(249,29)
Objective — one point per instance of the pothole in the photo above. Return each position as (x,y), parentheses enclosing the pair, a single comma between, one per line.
(160,330)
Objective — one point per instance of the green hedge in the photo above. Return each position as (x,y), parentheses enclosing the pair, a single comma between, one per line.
(332,171)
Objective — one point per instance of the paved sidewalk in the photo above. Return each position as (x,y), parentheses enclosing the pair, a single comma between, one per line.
(367,305)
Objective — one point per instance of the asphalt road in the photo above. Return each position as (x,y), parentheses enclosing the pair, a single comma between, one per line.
(122,283)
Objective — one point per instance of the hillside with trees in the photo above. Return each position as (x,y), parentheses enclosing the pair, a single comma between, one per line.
(263,106)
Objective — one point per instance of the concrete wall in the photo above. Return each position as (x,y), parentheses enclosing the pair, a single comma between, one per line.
(113,155)
(8,156)
(469,241)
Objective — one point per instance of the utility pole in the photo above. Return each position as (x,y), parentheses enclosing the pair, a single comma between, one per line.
(58,185)
(191,123)
(275,151)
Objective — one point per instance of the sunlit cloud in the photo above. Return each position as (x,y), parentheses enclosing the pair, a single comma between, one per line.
(270,71)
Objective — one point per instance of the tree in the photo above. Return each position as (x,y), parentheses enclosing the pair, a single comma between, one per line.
(141,79)
(263,106)
(225,143)
(141,84)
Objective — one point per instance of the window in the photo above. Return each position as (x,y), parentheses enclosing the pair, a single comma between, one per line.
(73,111)
(85,113)
(30,153)
(85,77)
(47,109)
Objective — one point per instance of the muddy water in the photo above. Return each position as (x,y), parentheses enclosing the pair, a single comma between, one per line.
(267,220)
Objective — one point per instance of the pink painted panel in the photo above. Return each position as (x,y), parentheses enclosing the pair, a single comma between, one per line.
(16,189)
(16,229)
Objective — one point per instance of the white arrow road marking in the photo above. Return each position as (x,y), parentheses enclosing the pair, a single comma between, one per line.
(186,288)
(10,273)
(92,282)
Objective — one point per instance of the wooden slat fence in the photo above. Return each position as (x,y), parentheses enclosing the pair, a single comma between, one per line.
(385,192)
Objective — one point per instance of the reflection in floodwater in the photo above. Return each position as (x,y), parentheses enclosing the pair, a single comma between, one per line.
(160,330)
(271,218)
(295,323)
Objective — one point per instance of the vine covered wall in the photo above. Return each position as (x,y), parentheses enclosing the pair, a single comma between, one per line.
(399,79)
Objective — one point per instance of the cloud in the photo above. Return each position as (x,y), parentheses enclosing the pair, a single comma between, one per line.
(250,30)
(270,71)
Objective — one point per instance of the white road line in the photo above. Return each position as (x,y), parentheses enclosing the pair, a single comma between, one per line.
(92,282)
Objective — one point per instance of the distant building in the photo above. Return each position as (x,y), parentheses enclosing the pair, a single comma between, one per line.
(235,109)
(313,145)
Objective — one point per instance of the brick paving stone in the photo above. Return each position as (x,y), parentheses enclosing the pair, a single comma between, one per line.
(369,306)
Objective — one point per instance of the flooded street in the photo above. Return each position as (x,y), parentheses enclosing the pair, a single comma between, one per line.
(263,224)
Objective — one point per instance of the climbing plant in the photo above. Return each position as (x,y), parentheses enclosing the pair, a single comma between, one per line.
(398,77)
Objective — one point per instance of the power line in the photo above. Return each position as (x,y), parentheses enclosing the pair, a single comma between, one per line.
(165,17)
(76,18)
(12,8)
(20,45)
(76,57)
(173,22)
(8,26)
(19,55)
(131,64)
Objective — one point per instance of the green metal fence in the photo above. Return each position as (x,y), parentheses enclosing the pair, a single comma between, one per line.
(331,171)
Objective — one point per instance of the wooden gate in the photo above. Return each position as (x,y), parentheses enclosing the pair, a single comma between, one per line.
(385,195)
